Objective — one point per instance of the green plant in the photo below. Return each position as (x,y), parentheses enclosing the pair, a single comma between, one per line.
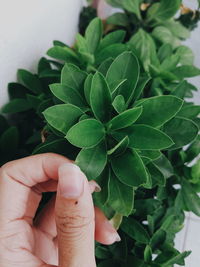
(115,104)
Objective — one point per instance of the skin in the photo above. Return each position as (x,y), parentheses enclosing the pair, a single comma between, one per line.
(63,233)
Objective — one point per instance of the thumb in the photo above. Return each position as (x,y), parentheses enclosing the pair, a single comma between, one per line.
(74,218)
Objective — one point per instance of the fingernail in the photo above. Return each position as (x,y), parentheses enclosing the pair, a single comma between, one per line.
(71,181)
(94,187)
(113,235)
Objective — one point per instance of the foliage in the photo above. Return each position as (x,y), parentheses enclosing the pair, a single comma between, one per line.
(115,104)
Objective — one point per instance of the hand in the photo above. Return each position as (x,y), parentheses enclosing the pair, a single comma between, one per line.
(63,233)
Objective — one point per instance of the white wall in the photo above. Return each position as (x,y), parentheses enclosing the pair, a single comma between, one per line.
(27,29)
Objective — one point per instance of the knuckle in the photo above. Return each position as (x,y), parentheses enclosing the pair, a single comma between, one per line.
(73,225)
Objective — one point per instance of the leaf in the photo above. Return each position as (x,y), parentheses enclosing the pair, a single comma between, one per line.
(177,259)
(85,134)
(103,68)
(125,119)
(148,254)
(150,154)
(164,35)
(125,66)
(158,239)
(72,76)
(63,53)
(92,161)
(3,124)
(164,10)
(67,94)
(115,3)
(159,109)
(113,38)
(121,196)
(100,98)
(145,48)
(64,122)
(93,35)
(120,147)
(177,29)
(189,112)
(186,71)
(143,81)
(30,81)
(144,137)
(60,146)
(195,172)
(111,51)
(119,104)
(16,105)
(16,90)
(186,55)
(43,65)
(135,230)
(182,131)
(164,166)
(170,63)
(9,142)
(133,7)
(101,198)
(156,175)
(120,19)
(134,174)
(165,51)
(190,197)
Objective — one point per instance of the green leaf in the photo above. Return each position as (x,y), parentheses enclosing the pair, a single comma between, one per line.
(134,174)
(111,51)
(115,3)
(9,142)
(85,134)
(143,81)
(92,161)
(125,119)
(189,112)
(186,71)
(120,19)
(30,81)
(87,87)
(16,90)
(164,35)
(63,53)
(195,172)
(120,147)
(144,137)
(182,131)
(103,180)
(156,175)
(177,259)
(159,109)
(121,196)
(186,55)
(113,38)
(93,35)
(163,10)
(190,197)
(105,65)
(62,117)
(148,254)
(100,98)
(150,154)
(177,29)
(135,230)
(164,166)
(193,150)
(43,65)
(133,6)
(67,94)
(158,239)
(145,48)
(170,63)
(72,76)
(164,52)
(16,105)
(125,66)
(119,103)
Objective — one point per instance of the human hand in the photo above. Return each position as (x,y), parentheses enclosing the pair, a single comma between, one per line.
(63,234)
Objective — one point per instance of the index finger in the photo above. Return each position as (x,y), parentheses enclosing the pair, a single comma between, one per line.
(17,178)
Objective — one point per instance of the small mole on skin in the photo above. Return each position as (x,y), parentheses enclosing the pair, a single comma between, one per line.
(76,202)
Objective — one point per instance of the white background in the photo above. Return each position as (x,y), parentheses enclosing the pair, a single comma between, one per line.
(27,29)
